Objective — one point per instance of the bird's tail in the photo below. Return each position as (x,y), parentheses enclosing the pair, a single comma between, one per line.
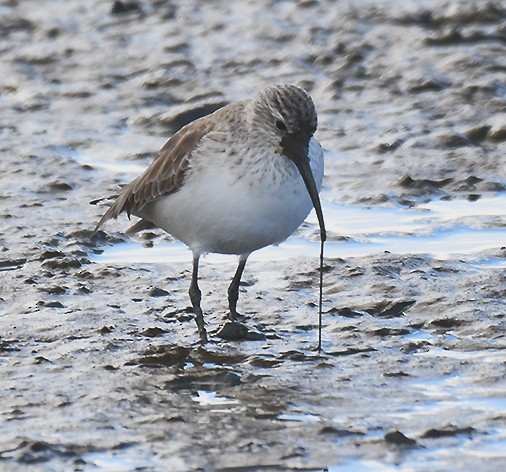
(113,211)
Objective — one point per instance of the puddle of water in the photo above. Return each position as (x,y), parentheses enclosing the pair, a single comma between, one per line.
(109,153)
(492,264)
(117,462)
(441,396)
(300,417)
(207,398)
(432,458)
(367,466)
(419,336)
(435,228)
(126,167)
(492,449)
(452,209)
(487,355)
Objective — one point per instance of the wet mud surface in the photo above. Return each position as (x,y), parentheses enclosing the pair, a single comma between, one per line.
(100,363)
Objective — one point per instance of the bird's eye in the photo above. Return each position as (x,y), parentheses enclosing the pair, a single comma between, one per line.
(281,126)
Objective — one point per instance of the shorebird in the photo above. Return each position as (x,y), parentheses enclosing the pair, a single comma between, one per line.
(232,182)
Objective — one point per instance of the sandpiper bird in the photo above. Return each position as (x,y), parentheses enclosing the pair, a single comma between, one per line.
(232,182)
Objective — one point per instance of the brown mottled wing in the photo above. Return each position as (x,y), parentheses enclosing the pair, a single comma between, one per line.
(165,174)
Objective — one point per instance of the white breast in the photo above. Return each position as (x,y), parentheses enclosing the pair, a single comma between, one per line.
(238,209)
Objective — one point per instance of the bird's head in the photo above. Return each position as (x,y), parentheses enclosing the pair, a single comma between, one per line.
(286,116)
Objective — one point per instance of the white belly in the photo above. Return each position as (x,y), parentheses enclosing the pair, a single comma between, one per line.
(220,210)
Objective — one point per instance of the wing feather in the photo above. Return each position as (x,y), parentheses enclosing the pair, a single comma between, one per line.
(166,173)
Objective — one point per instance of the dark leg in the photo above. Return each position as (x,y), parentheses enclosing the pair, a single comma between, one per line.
(195,297)
(233,289)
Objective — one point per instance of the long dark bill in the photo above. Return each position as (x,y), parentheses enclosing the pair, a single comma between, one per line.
(296,148)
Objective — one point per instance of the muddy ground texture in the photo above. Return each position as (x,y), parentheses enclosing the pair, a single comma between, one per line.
(100,364)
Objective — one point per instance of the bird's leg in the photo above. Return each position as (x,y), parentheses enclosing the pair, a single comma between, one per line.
(233,330)
(195,297)
(233,289)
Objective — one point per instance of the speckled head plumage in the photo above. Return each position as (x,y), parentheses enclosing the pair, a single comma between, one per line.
(284,109)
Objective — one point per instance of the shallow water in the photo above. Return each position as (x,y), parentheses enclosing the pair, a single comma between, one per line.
(441,229)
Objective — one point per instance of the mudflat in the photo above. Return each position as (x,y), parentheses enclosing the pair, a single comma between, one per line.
(99,357)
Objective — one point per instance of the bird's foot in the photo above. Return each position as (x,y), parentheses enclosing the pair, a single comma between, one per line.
(203,336)
(235,331)
(234,316)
